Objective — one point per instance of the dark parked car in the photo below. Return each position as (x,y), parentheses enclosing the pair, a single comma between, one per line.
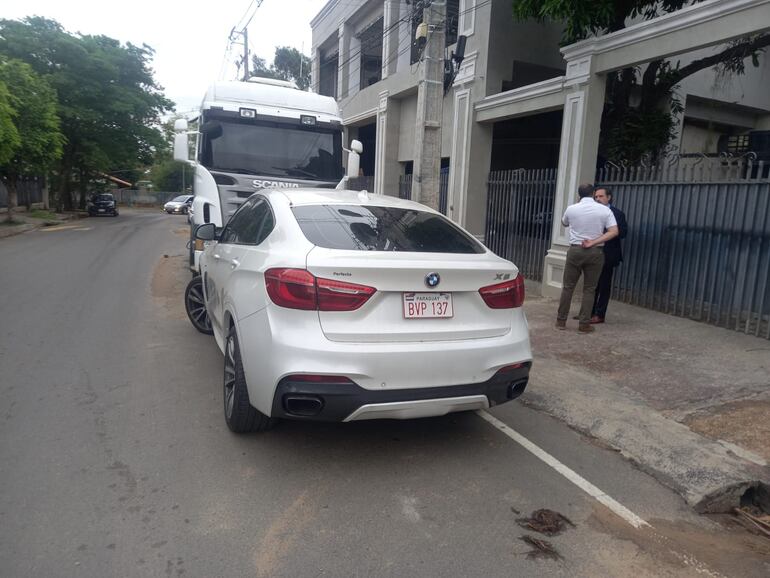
(102,204)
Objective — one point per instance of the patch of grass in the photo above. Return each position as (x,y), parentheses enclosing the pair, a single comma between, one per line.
(41,214)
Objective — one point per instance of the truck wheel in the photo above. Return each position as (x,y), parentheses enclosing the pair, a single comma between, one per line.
(195,306)
(240,415)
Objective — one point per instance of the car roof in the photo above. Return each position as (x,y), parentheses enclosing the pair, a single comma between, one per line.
(300,197)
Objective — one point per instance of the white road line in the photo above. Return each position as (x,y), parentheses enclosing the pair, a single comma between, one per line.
(65,228)
(571,475)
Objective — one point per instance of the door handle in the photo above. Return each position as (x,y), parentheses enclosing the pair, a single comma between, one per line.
(234,263)
(217,256)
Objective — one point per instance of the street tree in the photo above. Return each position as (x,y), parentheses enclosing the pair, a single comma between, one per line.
(37,124)
(288,64)
(9,134)
(641,105)
(108,100)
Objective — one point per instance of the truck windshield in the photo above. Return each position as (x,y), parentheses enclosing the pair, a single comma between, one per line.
(273,149)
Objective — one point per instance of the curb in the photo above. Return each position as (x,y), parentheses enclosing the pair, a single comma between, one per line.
(10,231)
(23,227)
(710,477)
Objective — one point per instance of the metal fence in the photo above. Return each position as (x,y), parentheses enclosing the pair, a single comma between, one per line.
(28,190)
(405,188)
(132,197)
(698,244)
(520,216)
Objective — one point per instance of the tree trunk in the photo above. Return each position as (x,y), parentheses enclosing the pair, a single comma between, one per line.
(82,181)
(13,197)
(46,203)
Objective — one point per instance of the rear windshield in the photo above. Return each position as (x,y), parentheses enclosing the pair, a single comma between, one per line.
(353,227)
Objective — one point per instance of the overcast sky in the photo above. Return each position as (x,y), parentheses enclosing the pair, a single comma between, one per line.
(189,38)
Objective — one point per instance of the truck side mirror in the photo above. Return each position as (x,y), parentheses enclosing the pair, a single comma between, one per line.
(354,158)
(181,151)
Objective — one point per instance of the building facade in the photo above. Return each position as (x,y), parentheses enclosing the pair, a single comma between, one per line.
(364,56)
(522,103)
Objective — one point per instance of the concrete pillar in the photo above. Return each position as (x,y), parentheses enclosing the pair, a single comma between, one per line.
(386,167)
(391,11)
(343,70)
(577,159)
(459,160)
(470,153)
(315,70)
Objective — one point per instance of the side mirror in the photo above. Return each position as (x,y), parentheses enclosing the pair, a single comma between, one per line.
(181,150)
(354,158)
(206,232)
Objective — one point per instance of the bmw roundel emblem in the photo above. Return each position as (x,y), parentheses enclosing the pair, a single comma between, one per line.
(432,279)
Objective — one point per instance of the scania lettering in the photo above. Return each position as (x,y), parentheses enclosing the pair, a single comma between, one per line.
(274,185)
(258,134)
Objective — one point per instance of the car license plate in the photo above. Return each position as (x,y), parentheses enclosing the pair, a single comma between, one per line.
(427,305)
(101,210)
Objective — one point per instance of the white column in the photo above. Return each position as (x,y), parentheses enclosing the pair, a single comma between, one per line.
(386,167)
(343,70)
(460,155)
(381,143)
(577,159)
(390,19)
(315,70)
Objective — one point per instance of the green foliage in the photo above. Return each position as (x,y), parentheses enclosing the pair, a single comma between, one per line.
(9,134)
(36,121)
(167,176)
(288,64)
(641,103)
(109,103)
(40,214)
(582,18)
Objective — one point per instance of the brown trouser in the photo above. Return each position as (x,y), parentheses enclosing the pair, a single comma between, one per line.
(589,263)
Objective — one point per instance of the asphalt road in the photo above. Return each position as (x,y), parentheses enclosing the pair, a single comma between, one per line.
(115,459)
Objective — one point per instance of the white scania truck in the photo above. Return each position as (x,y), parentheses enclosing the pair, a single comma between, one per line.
(261,133)
(252,135)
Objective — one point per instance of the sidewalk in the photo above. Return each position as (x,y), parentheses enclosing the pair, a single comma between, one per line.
(688,402)
(26,223)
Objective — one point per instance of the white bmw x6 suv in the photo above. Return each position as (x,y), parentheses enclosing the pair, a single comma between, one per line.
(341,306)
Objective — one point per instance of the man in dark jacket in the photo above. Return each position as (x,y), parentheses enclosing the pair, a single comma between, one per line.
(613,256)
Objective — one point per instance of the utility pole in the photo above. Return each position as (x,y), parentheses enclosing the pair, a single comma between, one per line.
(245,53)
(430,105)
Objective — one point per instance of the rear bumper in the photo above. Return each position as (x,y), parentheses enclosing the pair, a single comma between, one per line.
(350,402)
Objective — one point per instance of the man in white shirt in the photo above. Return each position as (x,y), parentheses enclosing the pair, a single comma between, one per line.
(590,224)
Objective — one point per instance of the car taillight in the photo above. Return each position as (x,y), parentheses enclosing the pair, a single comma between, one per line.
(292,288)
(340,296)
(504,295)
(300,289)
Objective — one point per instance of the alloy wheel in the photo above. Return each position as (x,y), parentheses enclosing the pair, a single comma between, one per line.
(229,380)
(196,306)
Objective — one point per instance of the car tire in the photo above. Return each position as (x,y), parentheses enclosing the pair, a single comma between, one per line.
(195,305)
(184,210)
(240,415)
